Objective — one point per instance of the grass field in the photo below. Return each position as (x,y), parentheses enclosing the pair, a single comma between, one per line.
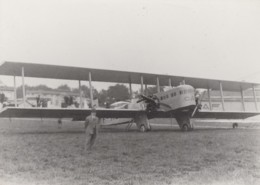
(37,152)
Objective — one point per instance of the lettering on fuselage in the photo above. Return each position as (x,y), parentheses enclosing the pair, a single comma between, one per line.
(189,98)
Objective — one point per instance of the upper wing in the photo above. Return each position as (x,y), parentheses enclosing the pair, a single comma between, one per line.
(76,114)
(81,114)
(79,73)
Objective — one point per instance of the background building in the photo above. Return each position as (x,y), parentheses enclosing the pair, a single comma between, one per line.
(55,98)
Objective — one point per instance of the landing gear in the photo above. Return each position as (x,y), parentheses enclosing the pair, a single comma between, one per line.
(150,128)
(142,122)
(185,128)
(235,125)
(59,123)
(129,125)
(142,128)
(184,122)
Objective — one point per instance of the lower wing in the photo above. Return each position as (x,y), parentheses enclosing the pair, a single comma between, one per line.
(81,114)
(224,115)
(75,114)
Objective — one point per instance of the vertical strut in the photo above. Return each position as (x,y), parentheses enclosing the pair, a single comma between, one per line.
(170,82)
(130,90)
(255,100)
(80,96)
(15,92)
(23,86)
(222,96)
(209,97)
(242,99)
(158,84)
(142,84)
(145,89)
(90,89)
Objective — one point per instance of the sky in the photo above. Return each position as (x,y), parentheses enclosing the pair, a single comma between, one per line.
(216,39)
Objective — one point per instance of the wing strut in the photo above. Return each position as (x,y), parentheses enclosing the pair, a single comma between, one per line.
(209,97)
(15,92)
(23,87)
(256,107)
(90,88)
(242,99)
(129,125)
(222,96)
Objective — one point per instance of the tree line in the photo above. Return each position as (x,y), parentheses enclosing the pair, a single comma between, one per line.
(114,93)
(118,92)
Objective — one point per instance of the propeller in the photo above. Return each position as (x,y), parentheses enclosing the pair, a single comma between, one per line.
(198,106)
(151,101)
(146,99)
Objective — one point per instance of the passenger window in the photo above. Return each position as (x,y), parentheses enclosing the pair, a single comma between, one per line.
(161,98)
(167,96)
(180,92)
(174,94)
(171,94)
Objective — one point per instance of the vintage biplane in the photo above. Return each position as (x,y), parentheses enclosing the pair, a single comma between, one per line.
(178,102)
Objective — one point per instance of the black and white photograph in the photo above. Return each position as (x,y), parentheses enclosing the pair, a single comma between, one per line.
(129,92)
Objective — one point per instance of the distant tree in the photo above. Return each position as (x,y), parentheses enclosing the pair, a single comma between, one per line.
(66,102)
(118,92)
(2,98)
(38,101)
(64,87)
(152,90)
(102,97)
(86,91)
(75,90)
(19,92)
(19,89)
(71,100)
(41,87)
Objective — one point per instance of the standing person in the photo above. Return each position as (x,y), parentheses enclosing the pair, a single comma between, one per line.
(91,129)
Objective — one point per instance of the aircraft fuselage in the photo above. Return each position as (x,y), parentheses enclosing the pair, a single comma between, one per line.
(177,97)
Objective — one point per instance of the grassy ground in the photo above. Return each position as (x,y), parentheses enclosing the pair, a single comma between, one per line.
(35,152)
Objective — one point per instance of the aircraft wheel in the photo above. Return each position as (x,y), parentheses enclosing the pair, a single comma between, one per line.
(235,125)
(142,128)
(59,123)
(185,128)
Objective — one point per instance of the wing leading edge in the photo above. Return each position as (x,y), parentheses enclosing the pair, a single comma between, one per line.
(81,114)
(225,115)
(76,114)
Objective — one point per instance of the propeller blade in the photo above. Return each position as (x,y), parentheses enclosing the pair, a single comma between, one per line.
(140,100)
(147,98)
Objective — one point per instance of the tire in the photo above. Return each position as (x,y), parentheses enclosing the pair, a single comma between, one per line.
(235,125)
(150,128)
(185,128)
(142,128)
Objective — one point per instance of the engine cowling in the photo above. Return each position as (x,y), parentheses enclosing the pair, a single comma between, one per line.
(152,102)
